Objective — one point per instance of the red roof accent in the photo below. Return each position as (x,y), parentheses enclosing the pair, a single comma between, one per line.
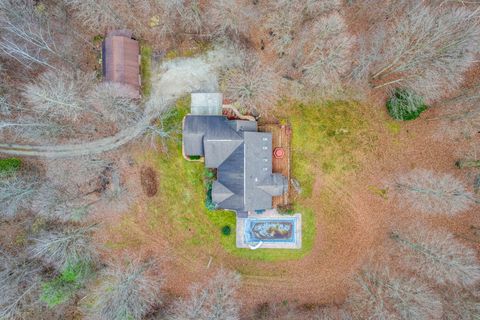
(278,153)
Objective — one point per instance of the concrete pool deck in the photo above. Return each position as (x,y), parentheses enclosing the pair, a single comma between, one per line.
(269,215)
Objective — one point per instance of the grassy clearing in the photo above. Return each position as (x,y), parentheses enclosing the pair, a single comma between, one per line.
(325,140)
(198,48)
(181,205)
(63,287)
(10,165)
(146,68)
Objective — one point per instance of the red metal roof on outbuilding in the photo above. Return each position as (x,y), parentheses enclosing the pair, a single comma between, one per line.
(120,59)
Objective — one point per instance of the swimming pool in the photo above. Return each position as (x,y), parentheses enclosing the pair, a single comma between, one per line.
(270,230)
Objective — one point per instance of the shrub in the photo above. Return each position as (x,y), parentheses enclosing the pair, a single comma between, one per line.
(98,38)
(226,230)
(405,105)
(209,174)
(286,209)
(208,201)
(10,165)
(63,287)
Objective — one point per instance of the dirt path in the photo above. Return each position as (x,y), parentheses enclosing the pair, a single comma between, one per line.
(76,150)
(174,79)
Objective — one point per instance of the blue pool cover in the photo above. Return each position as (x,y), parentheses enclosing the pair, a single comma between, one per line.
(270,230)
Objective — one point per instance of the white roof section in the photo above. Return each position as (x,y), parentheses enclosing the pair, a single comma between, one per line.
(206,103)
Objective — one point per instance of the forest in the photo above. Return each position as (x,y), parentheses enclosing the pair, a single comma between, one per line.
(102,218)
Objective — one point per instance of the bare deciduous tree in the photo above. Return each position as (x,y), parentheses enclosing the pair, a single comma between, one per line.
(127,292)
(19,283)
(54,203)
(16,192)
(331,313)
(251,84)
(77,186)
(316,7)
(380,294)
(96,14)
(426,49)
(324,53)
(117,197)
(229,17)
(282,24)
(59,96)
(5,106)
(191,15)
(460,304)
(65,248)
(116,103)
(432,193)
(30,128)
(26,36)
(77,175)
(285,18)
(214,301)
(437,255)
(461,116)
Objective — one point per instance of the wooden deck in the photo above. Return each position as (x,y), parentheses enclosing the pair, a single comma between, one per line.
(281,137)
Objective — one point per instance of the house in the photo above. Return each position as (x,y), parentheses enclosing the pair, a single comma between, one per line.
(241,155)
(120,55)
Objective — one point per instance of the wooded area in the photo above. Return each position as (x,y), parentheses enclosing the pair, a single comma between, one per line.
(383,98)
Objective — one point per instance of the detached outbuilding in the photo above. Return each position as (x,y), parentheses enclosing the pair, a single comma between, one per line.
(121,59)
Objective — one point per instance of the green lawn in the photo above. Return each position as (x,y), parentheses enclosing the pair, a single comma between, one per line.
(180,204)
(146,69)
(325,139)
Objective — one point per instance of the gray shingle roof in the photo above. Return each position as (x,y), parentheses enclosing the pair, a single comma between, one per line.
(231,174)
(258,166)
(218,150)
(220,193)
(243,125)
(196,127)
(242,156)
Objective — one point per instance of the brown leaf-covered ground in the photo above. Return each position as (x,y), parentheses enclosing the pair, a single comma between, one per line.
(343,241)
